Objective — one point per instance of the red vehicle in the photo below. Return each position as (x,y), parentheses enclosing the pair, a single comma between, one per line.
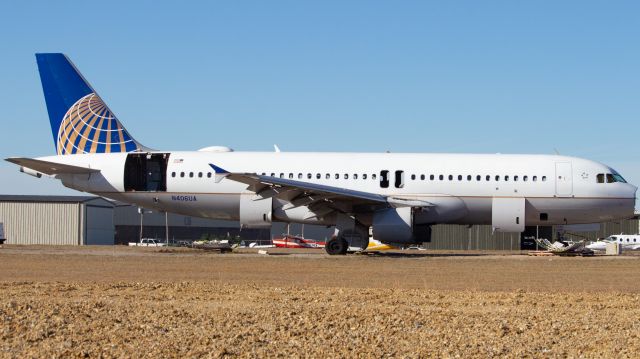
(289,241)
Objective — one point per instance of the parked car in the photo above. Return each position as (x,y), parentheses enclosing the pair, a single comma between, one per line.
(147,242)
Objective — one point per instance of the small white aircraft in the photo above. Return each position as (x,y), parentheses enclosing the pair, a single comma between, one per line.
(627,241)
(398,195)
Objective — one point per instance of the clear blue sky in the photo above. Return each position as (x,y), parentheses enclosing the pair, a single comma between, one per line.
(446,76)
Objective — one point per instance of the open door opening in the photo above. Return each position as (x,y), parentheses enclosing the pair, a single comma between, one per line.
(146,172)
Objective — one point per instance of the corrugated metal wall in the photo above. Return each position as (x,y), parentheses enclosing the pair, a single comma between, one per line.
(629,226)
(41,223)
(477,237)
(445,236)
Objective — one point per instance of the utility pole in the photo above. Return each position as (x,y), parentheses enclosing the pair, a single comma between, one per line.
(166,226)
(141,211)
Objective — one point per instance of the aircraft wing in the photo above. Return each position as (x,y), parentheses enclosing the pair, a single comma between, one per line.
(271,186)
(50,168)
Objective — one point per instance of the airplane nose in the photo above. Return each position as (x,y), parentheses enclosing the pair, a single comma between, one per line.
(632,193)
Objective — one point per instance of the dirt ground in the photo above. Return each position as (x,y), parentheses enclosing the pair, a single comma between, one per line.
(147,302)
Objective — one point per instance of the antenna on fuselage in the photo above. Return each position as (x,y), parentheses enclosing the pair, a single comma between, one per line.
(276,148)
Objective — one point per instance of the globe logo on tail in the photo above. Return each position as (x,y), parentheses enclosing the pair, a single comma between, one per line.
(90,127)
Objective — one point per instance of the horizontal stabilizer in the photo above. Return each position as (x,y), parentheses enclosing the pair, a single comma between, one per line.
(50,168)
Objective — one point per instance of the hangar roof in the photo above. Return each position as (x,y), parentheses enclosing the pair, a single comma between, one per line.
(58,199)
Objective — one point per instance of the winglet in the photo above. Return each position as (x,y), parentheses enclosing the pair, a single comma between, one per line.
(220,173)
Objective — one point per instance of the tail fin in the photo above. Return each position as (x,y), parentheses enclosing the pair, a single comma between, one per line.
(80,121)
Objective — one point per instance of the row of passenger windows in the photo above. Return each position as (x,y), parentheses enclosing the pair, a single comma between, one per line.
(364,176)
(384,177)
(478,178)
(616,239)
(191,174)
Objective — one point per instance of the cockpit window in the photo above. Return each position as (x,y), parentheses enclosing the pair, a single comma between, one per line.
(610,178)
(618,178)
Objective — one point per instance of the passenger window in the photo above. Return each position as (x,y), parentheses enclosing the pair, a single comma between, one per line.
(525,178)
(506,178)
(173,174)
(373,176)
(450,177)
(488,178)
(190,174)
(468,177)
(535,178)
(199,174)
(600,178)
(208,174)
(432,177)
(318,176)
(478,178)
(309,175)
(497,178)
(422,177)
(441,177)
(181,174)
(327,176)
(282,175)
(337,176)
(413,177)
(459,177)
(515,178)
(544,178)
(384,179)
(299,175)
(290,175)
(364,176)
(355,176)
(399,182)
(346,176)
(273,174)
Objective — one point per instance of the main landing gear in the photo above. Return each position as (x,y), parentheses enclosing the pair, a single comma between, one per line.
(337,245)
(349,235)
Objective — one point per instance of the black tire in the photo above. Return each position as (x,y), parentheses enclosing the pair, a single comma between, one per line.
(336,246)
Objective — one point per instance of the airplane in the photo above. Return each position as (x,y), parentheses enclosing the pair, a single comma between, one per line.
(291,241)
(627,241)
(399,196)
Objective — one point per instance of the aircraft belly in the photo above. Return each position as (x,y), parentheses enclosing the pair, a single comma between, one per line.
(215,206)
(577,210)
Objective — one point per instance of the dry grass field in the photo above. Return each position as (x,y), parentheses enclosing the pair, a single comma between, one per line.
(141,302)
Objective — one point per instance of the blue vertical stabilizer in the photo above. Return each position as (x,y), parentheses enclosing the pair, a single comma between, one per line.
(80,121)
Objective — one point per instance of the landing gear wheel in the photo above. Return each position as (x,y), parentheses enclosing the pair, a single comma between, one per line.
(336,245)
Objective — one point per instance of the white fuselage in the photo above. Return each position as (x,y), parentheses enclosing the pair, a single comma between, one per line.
(626,241)
(557,189)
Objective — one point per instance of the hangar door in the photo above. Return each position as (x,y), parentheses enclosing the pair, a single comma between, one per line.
(564,180)
(99,229)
